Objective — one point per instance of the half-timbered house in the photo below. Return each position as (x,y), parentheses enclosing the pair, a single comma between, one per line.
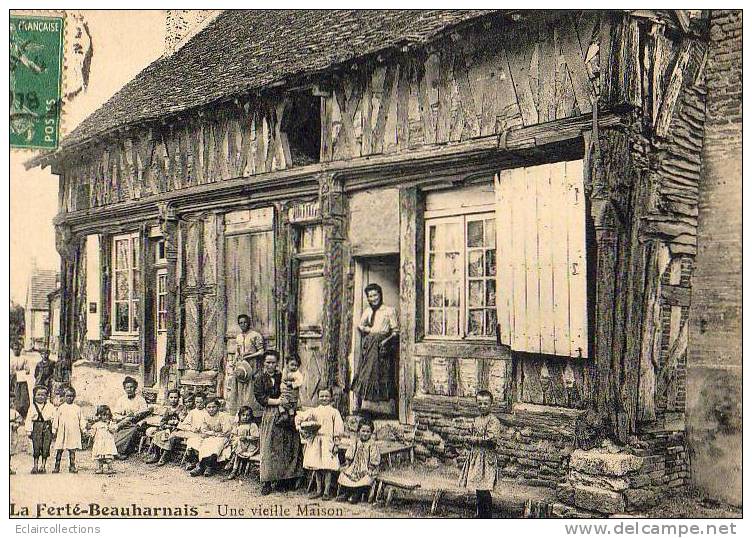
(523,185)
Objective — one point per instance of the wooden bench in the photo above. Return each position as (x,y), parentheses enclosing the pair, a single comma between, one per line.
(388,483)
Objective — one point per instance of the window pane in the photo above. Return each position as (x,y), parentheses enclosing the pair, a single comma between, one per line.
(491,262)
(475,293)
(121,285)
(162,321)
(452,293)
(490,322)
(121,254)
(475,263)
(475,322)
(452,322)
(445,237)
(121,317)
(490,233)
(135,252)
(451,269)
(136,283)
(134,313)
(435,322)
(432,266)
(436,294)
(490,292)
(475,233)
(432,238)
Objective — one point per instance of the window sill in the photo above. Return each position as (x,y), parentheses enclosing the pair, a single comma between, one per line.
(477,349)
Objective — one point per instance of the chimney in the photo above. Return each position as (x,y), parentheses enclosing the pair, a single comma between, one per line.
(182,24)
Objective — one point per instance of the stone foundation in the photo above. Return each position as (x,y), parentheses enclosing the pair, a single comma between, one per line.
(536,447)
(604,481)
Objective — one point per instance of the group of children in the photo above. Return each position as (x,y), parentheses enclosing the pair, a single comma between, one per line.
(213,437)
(61,420)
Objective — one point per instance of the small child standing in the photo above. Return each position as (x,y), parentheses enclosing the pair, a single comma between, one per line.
(244,441)
(479,471)
(320,427)
(292,380)
(363,459)
(16,421)
(103,449)
(67,427)
(39,428)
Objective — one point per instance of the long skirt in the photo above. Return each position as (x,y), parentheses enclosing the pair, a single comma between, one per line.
(23,402)
(126,439)
(281,454)
(479,471)
(375,379)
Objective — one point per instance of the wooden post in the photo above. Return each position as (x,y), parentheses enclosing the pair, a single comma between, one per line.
(332,203)
(411,264)
(146,332)
(65,245)
(168,223)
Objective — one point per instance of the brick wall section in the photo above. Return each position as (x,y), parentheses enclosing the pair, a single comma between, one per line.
(717,300)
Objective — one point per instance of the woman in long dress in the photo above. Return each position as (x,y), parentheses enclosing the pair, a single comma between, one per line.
(375,378)
(281,454)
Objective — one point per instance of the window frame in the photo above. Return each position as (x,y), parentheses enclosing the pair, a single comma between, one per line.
(133,264)
(462,216)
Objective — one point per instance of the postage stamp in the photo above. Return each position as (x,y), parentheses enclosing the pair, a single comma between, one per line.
(36,72)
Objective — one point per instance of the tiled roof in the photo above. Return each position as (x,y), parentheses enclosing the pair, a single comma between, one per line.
(43,282)
(244,50)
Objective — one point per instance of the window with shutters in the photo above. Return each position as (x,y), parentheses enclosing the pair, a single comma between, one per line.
(461,276)
(126,284)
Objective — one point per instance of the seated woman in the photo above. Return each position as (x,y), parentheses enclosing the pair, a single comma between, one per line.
(215,431)
(129,412)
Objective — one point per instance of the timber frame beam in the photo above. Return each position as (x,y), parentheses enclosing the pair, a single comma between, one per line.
(298,182)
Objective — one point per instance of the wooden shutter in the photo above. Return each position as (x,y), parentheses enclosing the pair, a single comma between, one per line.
(541,260)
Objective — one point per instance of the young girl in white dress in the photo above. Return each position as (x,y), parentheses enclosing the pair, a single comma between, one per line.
(320,427)
(67,427)
(103,449)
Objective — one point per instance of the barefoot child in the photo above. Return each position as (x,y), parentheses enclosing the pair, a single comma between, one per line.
(363,459)
(292,380)
(479,471)
(67,427)
(16,421)
(320,454)
(39,428)
(103,449)
(244,440)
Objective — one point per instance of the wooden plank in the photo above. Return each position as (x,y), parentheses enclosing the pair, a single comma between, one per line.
(519,245)
(344,144)
(504,282)
(575,59)
(466,99)
(384,106)
(411,258)
(508,108)
(444,111)
(547,74)
(671,96)
(577,260)
(366,112)
(606,56)
(426,115)
(547,205)
(403,96)
(560,262)
(519,55)
(532,269)
(326,129)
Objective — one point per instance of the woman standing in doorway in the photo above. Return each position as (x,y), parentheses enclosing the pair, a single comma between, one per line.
(374,378)
(281,453)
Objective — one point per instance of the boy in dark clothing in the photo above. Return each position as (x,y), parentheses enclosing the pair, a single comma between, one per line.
(44,371)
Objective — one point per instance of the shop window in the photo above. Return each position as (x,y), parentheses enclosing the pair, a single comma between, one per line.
(126,284)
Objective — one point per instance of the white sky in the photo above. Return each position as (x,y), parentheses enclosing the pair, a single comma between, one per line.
(124,42)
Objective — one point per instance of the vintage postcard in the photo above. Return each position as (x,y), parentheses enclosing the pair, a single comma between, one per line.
(341,263)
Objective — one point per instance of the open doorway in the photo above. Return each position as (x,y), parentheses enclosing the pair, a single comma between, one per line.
(382,270)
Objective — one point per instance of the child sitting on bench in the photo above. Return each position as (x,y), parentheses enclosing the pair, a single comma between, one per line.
(363,459)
